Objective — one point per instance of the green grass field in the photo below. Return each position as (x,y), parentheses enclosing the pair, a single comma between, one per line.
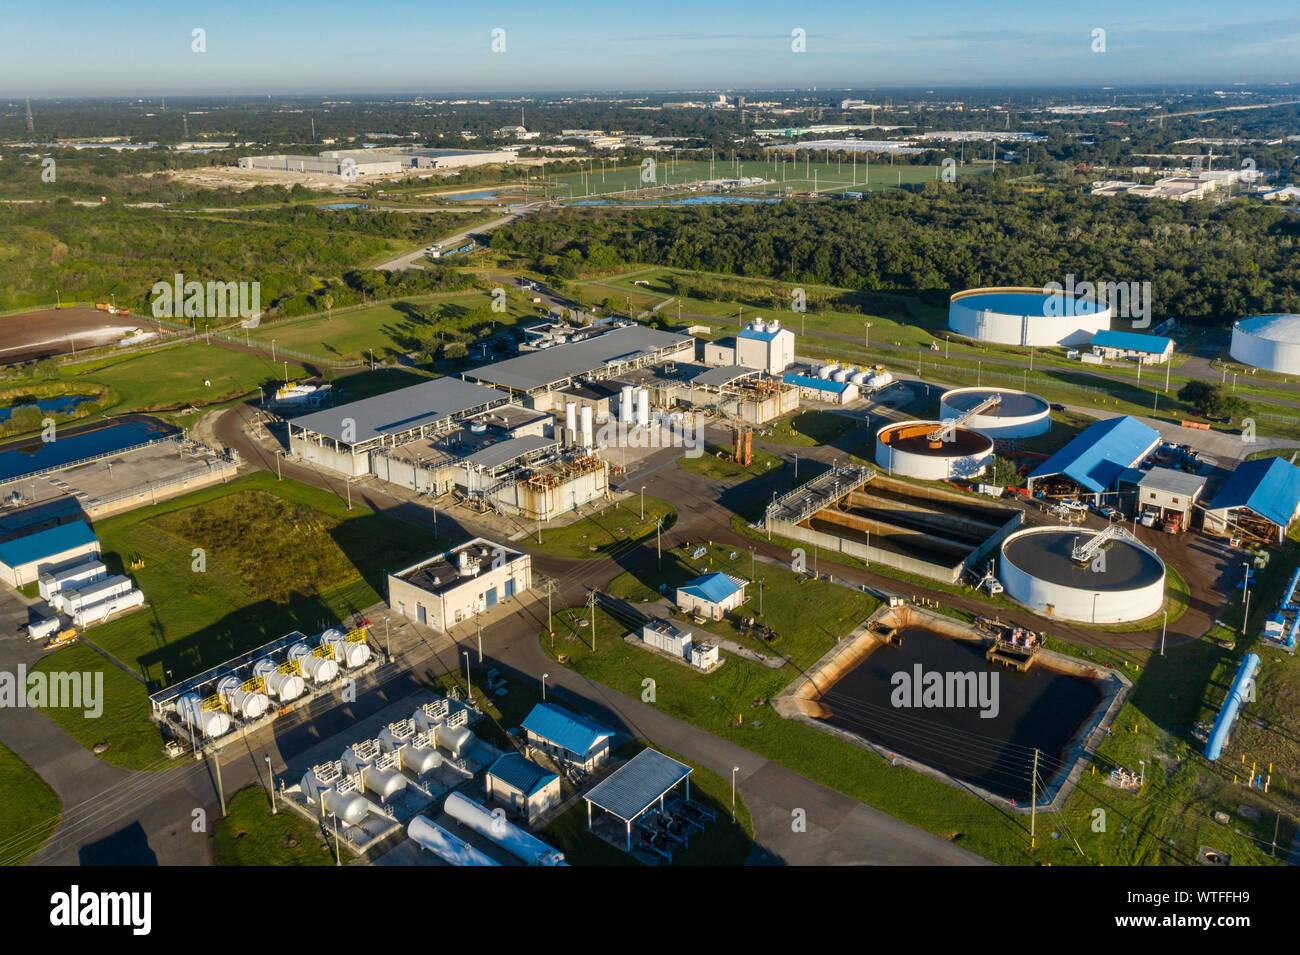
(31,810)
(806,429)
(250,835)
(614,527)
(393,328)
(716,464)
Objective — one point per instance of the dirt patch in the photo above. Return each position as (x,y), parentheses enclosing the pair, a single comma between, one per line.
(51,331)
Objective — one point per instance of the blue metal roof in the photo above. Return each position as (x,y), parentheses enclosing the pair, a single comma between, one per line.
(522,774)
(1269,486)
(714,587)
(1132,341)
(750,332)
(48,543)
(1101,452)
(637,785)
(568,730)
(810,381)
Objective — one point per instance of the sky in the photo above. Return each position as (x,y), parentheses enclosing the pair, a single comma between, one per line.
(139,47)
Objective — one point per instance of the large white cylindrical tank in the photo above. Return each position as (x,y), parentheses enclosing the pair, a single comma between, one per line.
(350,807)
(350,655)
(1125,585)
(571,420)
(208,722)
(440,842)
(383,782)
(283,686)
(1018,415)
(905,449)
(318,670)
(248,704)
(453,739)
(1029,316)
(518,842)
(643,407)
(587,440)
(1268,341)
(625,405)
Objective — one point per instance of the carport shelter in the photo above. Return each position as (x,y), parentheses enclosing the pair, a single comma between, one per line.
(638,786)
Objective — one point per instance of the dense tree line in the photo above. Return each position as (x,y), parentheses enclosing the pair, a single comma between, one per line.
(1207,262)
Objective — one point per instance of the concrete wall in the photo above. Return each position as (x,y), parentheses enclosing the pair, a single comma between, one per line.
(715,354)
(406,474)
(838,545)
(324,455)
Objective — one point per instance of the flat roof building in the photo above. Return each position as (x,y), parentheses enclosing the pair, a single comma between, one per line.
(24,559)
(1167,492)
(451,587)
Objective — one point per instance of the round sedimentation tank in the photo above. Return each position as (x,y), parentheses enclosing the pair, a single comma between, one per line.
(1017,414)
(1027,316)
(1124,583)
(909,450)
(1271,342)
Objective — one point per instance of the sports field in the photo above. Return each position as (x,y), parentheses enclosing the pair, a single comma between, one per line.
(822,176)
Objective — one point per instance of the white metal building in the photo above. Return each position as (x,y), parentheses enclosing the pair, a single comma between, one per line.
(765,346)
(25,559)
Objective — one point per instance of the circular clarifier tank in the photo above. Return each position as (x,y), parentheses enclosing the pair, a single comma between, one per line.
(1121,583)
(1017,414)
(910,449)
(1027,316)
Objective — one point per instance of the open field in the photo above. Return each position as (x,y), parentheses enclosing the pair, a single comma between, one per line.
(716,464)
(31,810)
(611,526)
(250,835)
(806,429)
(50,331)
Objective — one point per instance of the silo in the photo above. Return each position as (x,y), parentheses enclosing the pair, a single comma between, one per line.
(284,686)
(625,411)
(587,440)
(244,700)
(643,407)
(570,421)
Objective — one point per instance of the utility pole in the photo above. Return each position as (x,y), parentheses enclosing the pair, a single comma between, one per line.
(1033,803)
(593,621)
(221,793)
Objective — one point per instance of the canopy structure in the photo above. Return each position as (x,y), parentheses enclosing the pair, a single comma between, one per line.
(638,786)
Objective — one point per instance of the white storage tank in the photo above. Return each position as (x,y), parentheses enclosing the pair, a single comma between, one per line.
(841,375)
(906,449)
(284,686)
(378,771)
(101,610)
(248,703)
(625,405)
(415,747)
(454,739)
(440,842)
(825,371)
(1017,414)
(643,407)
(209,723)
(587,440)
(858,377)
(350,655)
(875,382)
(327,788)
(571,421)
(49,585)
(318,670)
(92,593)
(518,842)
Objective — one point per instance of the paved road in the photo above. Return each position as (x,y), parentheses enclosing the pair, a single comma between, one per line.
(416,259)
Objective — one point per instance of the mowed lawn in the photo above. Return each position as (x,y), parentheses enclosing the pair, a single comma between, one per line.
(610,530)
(393,328)
(30,812)
(716,464)
(804,429)
(175,376)
(276,557)
(251,835)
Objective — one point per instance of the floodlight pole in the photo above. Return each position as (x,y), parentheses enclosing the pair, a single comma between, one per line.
(270,785)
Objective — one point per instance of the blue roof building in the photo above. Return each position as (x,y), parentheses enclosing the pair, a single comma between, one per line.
(711,595)
(24,559)
(1098,455)
(823,389)
(522,785)
(1150,348)
(567,736)
(1261,499)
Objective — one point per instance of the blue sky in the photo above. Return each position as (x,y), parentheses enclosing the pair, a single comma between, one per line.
(141,47)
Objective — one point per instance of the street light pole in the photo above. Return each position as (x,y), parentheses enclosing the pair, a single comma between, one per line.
(1163,624)
(468,684)
(270,785)
(734,770)
(544,676)
(643,502)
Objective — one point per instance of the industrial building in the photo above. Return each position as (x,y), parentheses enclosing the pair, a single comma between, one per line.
(521,786)
(1258,503)
(765,346)
(1147,349)
(1027,317)
(567,737)
(24,559)
(1169,493)
(451,587)
(341,439)
(681,644)
(816,388)
(1093,461)
(712,595)
(1271,342)
(376,162)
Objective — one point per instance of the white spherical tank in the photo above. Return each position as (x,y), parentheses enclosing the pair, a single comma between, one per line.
(283,686)
(318,670)
(208,722)
(1124,584)
(906,449)
(249,704)
(1268,341)
(1018,414)
(1028,316)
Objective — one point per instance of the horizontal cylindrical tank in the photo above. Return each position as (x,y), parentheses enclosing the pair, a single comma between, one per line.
(841,375)
(350,807)
(249,704)
(350,655)
(518,842)
(316,669)
(825,371)
(858,377)
(416,754)
(876,382)
(283,686)
(382,781)
(440,842)
(209,723)
(452,738)
(101,610)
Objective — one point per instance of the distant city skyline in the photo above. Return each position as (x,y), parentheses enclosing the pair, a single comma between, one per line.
(147,47)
